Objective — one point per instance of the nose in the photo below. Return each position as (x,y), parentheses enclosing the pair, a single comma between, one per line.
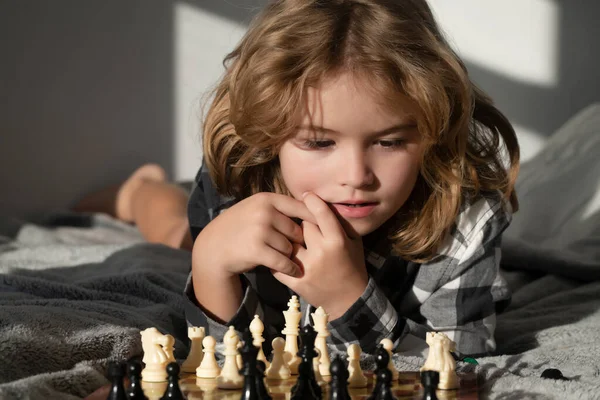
(355,169)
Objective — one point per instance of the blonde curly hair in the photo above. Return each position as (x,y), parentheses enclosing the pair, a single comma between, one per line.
(469,146)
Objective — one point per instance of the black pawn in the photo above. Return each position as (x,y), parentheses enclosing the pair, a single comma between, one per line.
(173,391)
(430,380)
(382,358)
(249,353)
(338,387)
(384,376)
(135,392)
(116,373)
(307,387)
(263,393)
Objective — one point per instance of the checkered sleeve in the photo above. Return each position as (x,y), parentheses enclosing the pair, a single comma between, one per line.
(459,291)
(369,320)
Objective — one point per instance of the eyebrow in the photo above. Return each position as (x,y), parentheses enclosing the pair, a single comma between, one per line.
(391,129)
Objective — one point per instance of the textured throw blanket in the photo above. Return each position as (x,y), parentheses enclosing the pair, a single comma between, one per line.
(76,290)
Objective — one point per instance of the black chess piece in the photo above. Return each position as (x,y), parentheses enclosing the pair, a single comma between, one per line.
(261,388)
(384,391)
(134,391)
(249,353)
(382,358)
(173,391)
(338,387)
(553,373)
(116,373)
(430,380)
(307,387)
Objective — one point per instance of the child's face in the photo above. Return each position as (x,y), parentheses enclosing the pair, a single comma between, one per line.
(363,153)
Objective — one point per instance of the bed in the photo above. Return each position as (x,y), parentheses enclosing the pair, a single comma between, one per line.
(75,289)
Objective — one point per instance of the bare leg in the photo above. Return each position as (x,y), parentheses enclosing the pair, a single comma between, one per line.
(157,207)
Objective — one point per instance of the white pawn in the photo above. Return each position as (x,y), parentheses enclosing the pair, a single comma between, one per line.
(318,376)
(196,335)
(292,329)
(257,328)
(320,318)
(208,367)
(230,377)
(356,377)
(278,368)
(389,345)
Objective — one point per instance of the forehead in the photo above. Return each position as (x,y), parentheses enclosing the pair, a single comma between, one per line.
(346,97)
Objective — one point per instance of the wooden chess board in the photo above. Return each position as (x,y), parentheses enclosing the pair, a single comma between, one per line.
(408,386)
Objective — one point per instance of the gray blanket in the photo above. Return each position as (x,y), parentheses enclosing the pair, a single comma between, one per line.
(76,290)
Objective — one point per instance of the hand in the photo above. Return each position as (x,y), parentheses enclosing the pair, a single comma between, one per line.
(335,275)
(256,231)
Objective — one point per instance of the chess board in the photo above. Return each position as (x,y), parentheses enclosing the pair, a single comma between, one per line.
(408,386)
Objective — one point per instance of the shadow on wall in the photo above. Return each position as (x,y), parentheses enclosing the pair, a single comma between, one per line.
(87,96)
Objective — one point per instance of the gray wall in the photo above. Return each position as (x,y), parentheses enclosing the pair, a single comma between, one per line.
(90,89)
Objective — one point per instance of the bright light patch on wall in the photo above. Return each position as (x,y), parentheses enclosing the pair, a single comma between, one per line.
(202,40)
(514,38)
(530,142)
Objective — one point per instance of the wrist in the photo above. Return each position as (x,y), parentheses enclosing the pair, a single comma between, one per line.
(341,303)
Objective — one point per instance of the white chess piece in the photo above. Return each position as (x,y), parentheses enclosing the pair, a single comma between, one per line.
(357,378)
(257,328)
(208,367)
(320,319)
(389,345)
(230,377)
(238,358)
(292,323)
(439,359)
(196,335)
(278,368)
(318,376)
(158,352)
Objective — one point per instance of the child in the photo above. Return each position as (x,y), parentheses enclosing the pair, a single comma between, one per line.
(349,159)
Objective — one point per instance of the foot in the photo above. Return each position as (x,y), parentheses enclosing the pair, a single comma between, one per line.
(124,196)
(116,200)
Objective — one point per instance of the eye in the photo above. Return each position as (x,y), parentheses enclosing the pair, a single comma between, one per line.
(391,143)
(318,144)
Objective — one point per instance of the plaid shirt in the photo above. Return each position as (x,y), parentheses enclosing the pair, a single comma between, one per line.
(457,293)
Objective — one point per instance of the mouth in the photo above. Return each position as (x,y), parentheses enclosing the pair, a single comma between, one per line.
(354,210)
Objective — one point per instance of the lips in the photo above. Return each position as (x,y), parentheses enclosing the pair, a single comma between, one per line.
(354,209)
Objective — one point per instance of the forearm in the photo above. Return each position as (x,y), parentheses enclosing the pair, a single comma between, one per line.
(218,293)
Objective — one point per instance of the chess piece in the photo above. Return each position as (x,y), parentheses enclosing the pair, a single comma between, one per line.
(382,359)
(306,386)
(196,335)
(384,387)
(338,386)
(173,391)
(208,367)
(320,319)
(440,359)
(116,373)
(135,392)
(292,322)
(357,378)
(429,380)
(249,352)
(257,328)
(278,368)
(230,377)
(263,393)
(158,352)
(389,345)
(316,368)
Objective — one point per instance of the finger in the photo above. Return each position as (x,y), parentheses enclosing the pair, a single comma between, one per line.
(277,262)
(287,227)
(326,219)
(312,234)
(280,243)
(292,281)
(292,208)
